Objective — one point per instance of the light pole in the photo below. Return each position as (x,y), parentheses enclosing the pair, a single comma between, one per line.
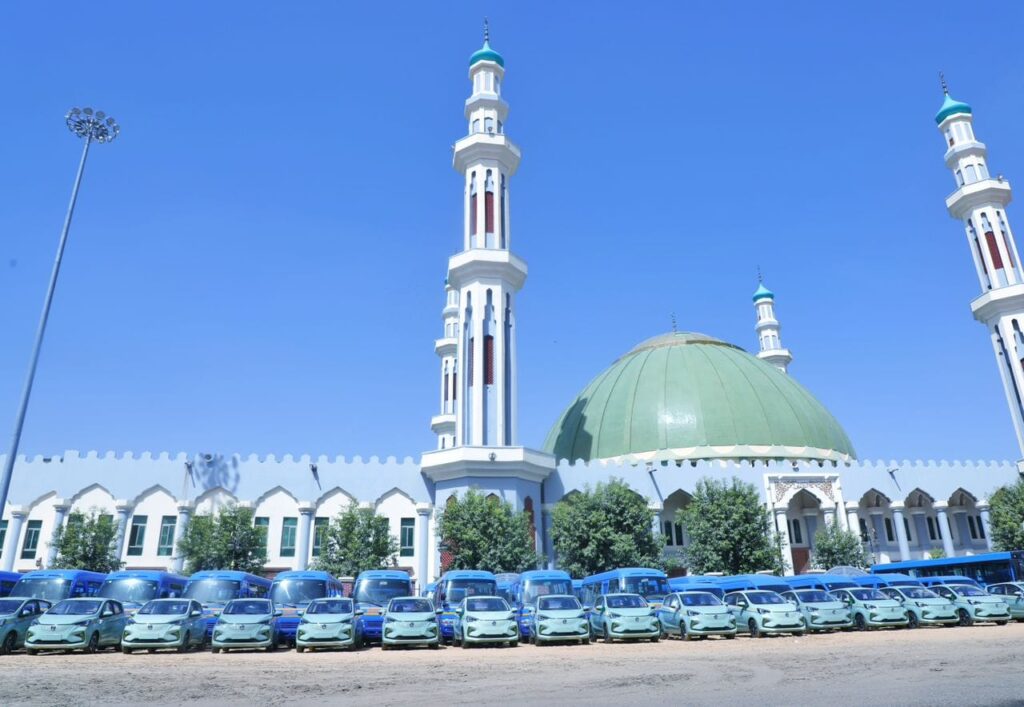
(93,126)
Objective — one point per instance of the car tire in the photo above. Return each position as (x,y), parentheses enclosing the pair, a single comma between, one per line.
(151,651)
(126,651)
(435,646)
(31,651)
(7,647)
(730,636)
(184,647)
(214,649)
(462,642)
(1000,623)
(656,638)
(859,622)
(300,649)
(965,618)
(607,634)
(585,641)
(93,646)
(755,630)
(912,620)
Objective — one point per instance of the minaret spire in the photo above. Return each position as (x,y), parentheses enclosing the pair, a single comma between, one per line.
(487,32)
(768,328)
(942,78)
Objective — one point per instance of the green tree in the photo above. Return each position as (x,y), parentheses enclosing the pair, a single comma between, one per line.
(835,546)
(1007,516)
(358,540)
(87,542)
(730,529)
(603,528)
(484,533)
(225,541)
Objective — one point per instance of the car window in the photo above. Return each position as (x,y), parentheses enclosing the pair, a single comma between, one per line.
(730,599)
(918,593)
(76,608)
(487,604)
(626,601)
(249,607)
(944,592)
(701,599)
(599,602)
(814,596)
(967,590)
(330,606)
(410,606)
(892,594)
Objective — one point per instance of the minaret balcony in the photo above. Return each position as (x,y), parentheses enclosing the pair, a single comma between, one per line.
(478,264)
(980,193)
(443,424)
(486,147)
(994,303)
(446,346)
(487,100)
(964,149)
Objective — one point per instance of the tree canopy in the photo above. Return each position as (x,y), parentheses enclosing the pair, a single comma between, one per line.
(603,528)
(357,540)
(835,546)
(87,542)
(486,533)
(1007,516)
(225,541)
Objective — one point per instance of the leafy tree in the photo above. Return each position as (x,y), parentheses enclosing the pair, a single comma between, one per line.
(1007,515)
(226,541)
(834,546)
(358,540)
(87,542)
(603,528)
(730,529)
(936,553)
(486,534)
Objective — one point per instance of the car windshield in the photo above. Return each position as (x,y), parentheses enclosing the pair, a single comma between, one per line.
(248,607)
(839,585)
(129,590)
(293,592)
(867,595)
(646,586)
(966,590)
(486,604)
(75,608)
(765,598)
(918,593)
(331,606)
(9,606)
(625,601)
(165,607)
(814,596)
(459,589)
(535,588)
(700,599)
(212,591)
(410,606)
(379,592)
(555,603)
(53,589)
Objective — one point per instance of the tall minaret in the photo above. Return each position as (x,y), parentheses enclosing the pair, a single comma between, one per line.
(767,327)
(979,202)
(478,350)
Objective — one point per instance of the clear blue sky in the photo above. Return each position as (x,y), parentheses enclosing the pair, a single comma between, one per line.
(257,264)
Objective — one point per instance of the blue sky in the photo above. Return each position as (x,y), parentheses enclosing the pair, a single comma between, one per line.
(257,264)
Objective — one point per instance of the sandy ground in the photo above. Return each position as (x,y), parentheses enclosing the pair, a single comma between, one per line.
(976,665)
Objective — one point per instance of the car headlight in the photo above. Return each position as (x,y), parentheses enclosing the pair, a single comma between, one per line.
(870,606)
(691,612)
(543,617)
(763,611)
(82,623)
(470,619)
(612,615)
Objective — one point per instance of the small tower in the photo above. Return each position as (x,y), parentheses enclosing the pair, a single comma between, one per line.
(979,203)
(767,328)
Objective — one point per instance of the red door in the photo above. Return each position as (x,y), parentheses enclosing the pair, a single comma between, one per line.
(801,559)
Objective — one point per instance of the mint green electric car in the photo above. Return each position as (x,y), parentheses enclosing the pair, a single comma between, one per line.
(483,619)
(165,623)
(328,623)
(410,621)
(924,607)
(695,615)
(822,611)
(558,617)
(246,623)
(1013,594)
(623,617)
(872,609)
(77,624)
(16,614)
(763,612)
(973,604)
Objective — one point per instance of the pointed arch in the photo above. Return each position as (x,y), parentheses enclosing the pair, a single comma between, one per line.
(273,492)
(89,489)
(393,491)
(212,498)
(873,498)
(39,501)
(332,493)
(962,497)
(919,498)
(155,488)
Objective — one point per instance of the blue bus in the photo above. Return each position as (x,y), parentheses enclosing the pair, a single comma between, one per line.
(891,579)
(293,590)
(7,582)
(215,588)
(533,584)
(949,579)
(987,568)
(133,588)
(453,587)
(649,583)
(54,585)
(372,591)
(696,583)
(743,582)
(824,582)
(577,589)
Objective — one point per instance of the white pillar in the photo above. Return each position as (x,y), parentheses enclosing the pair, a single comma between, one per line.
(852,518)
(123,509)
(306,510)
(986,522)
(60,512)
(830,514)
(901,529)
(185,509)
(942,516)
(656,509)
(422,545)
(782,527)
(18,514)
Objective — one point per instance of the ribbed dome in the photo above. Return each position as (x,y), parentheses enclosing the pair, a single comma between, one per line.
(950,106)
(690,396)
(485,53)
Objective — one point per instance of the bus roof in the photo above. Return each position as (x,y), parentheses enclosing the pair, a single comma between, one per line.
(466,574)
(948,579)
(234,575)
(62,574)
(305,574)
(625,572)
(741,582)
(577,583)
(543,574)
(10,575)
(156,575)
(382,574)
(889,579)
(944,561)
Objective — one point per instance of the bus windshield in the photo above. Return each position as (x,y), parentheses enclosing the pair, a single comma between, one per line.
(292,592)
(212,591)
(129,590)
(458,589)
(645,586)
(535,588)
(378,592)
(53,589)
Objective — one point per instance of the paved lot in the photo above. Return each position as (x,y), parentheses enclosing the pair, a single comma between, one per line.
(976,665)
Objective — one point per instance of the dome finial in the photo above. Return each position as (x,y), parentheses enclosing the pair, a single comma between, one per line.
(674,328)
(945,88)
(487,31)
(760,278)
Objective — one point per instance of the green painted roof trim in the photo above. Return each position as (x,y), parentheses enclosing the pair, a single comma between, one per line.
(950,106)
(485,53)
(763,292)
(689,396)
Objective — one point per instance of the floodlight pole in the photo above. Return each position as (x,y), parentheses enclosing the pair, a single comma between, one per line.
(83,122)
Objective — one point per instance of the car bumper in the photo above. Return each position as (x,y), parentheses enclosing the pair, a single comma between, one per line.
(409,640)
(829,622)
(252,638)
(556,630)
(241,643)
(59,639)
(989,614)
(394,634)
(937,619)
(152,641)
(57,644)
(619,629)
(327,638)
(503,631)
(877,620)
(699,626)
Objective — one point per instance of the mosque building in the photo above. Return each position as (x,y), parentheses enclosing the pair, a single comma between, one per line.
(673,409)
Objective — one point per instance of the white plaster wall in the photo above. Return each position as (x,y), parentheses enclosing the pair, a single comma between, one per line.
(278,505)
(154,504)
(41,510)
(394,506)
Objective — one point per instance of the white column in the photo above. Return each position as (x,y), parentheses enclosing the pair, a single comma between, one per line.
(306,510)
(852,518)
(830,514)
(123,509)
(476,390)
(185,509)
(60,512)
(901,529)
(942,516)
(422,544)
(17,514)
(782,527)
(986,522)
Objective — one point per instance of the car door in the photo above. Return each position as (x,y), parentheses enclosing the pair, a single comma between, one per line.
(26,615)
(198,624)
(668,612)
(597,615)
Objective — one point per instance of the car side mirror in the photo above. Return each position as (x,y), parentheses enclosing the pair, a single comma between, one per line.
(107,613)
(588,608)
(278,612)
(196,612)
(360,612)
(301,612)
(438,611)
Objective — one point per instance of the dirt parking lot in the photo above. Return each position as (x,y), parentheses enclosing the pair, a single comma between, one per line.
(976,665)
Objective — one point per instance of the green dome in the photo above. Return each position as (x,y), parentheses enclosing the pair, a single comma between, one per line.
(689,396)
(950,106)
(763,292)
(485,53)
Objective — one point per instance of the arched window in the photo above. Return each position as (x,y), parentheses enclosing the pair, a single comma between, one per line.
(972,174)
(489,125)
(489,203)
(959,178)
(798,536)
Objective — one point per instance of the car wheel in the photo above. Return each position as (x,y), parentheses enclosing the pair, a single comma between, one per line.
(730,636)
(755,630)
(1000,623)
(151,650)
(435,646)
(214,649)
(656,638)
(186,644)
(94,643)
(462,641)
(31,651)
(7,647)
(126,651)
(912,620)
(585,641)
(513,644)
(607,634)
(859,622)
(300,649)
(965,618)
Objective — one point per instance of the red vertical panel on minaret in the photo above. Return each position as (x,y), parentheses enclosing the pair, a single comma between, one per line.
(489,212)
(993,250)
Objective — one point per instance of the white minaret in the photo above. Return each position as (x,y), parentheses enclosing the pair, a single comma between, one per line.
(979,202)
(478,353)
(768,327)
